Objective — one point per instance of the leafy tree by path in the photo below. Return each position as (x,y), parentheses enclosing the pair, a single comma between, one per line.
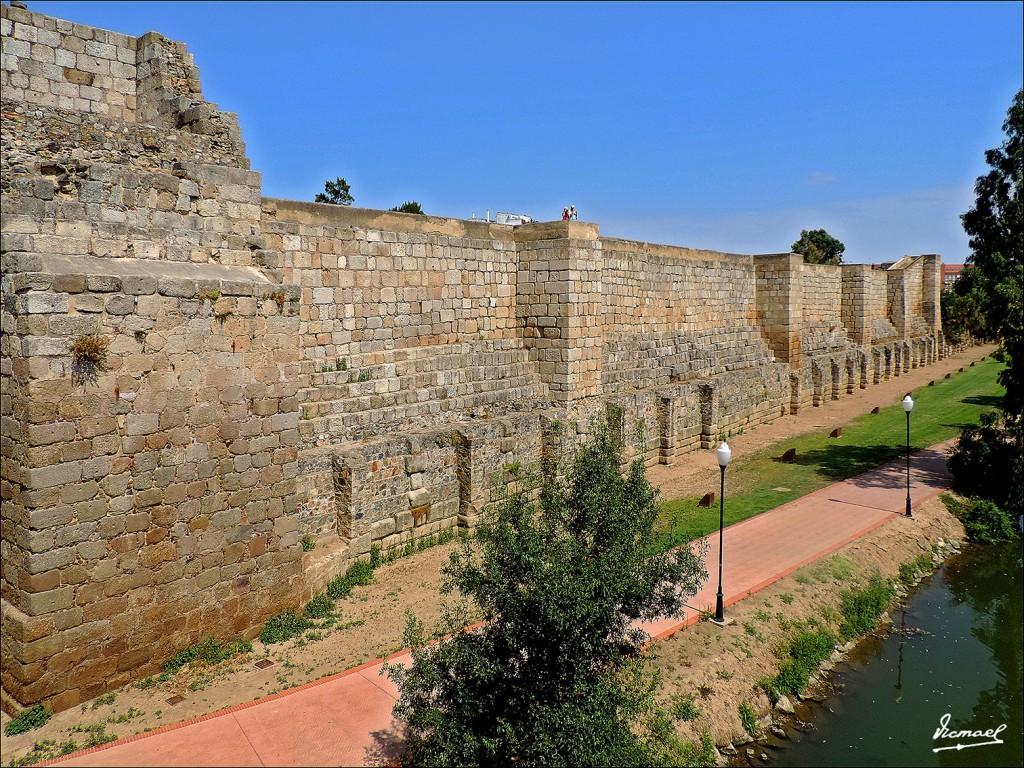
(335,192)
(410,206)
(553,677)
(996,228)
(819,247)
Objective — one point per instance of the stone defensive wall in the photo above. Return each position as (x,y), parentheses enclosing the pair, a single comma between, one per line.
(196,378)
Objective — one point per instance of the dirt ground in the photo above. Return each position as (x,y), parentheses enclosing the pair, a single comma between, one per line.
(719,665)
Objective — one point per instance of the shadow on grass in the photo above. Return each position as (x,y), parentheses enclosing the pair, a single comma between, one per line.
(989,401)
(962,426)
(839,462)
(856,462)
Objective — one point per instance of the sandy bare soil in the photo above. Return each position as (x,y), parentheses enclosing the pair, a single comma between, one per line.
(694,661)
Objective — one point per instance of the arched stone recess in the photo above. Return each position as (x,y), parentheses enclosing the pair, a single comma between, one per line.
(817,383)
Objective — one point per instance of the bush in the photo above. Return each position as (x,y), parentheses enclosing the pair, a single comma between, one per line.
(358,574)
(209,651)
(805,652)
(684,709)
(910,571)
(665,748)
(28,719)
(688,753)
(987,461)
(747,717)
(984,522)
(284,626)
(861,608)
(318,607)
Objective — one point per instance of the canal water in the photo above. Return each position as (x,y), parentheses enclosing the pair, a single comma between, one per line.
(956,651)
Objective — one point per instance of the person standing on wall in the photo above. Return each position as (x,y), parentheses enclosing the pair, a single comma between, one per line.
(565,214)
(572,213)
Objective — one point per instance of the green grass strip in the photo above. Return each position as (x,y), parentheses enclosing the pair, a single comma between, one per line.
(940,412)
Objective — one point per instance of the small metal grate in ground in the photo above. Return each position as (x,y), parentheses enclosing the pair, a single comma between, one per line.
(175,700)
(263,664)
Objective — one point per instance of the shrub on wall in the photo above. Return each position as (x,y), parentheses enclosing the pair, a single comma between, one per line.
(88,357)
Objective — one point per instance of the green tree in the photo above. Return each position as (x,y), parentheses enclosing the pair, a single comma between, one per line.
(819,247)
(335,192)
(410,206)
(961,306)
(996,228)
(554,675)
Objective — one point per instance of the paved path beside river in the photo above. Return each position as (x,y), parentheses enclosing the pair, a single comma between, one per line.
(346,719)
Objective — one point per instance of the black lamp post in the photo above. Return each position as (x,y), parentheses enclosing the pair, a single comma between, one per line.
(724,454)
(908,406)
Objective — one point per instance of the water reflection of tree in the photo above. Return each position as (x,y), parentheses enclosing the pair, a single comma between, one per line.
(991,583)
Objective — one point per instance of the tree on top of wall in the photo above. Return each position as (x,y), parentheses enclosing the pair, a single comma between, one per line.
(961,306)
(410,206)
(555,675)
(819,247)
(335,192)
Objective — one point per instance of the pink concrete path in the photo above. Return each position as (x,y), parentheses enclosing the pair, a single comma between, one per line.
(346,719)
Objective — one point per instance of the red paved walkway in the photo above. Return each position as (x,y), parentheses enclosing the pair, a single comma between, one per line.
(346,719)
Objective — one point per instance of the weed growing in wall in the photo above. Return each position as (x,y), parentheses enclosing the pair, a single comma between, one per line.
(341,364)
(362,376)
(308,543)
(88,357)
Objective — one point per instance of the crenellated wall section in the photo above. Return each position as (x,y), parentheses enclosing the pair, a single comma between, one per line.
(274,369)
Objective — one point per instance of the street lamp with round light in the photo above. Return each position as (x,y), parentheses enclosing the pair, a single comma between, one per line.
(908,406)
(724,455)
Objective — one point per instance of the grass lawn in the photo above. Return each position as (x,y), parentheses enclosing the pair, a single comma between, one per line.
(940,412)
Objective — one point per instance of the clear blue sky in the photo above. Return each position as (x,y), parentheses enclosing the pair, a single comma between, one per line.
(728,126)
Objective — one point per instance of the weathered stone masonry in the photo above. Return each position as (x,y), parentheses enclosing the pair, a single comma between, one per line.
(278,369)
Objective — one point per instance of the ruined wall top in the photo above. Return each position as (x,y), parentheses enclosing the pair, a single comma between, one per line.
(75,75)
